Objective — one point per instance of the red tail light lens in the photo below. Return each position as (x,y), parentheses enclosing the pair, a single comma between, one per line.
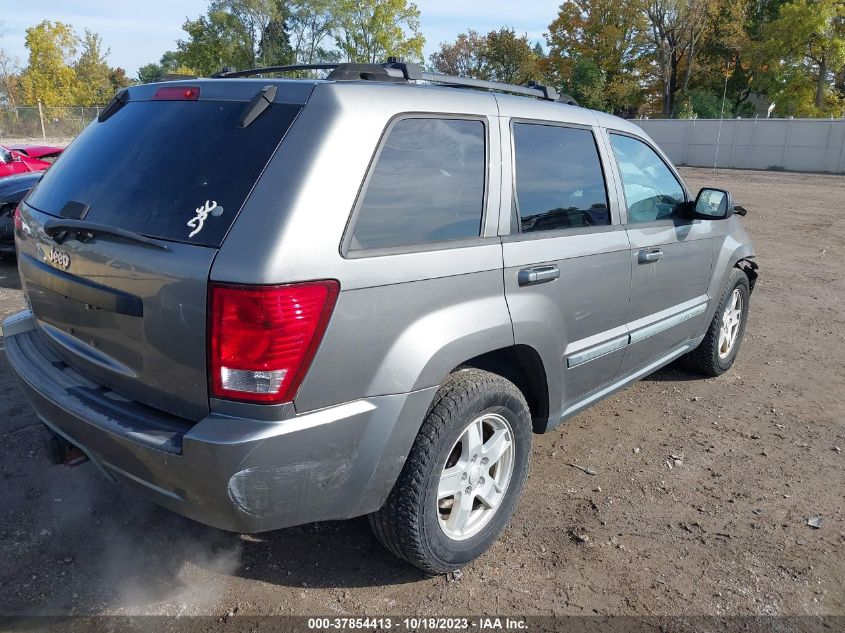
(18,220)
(177,93)
(262,338)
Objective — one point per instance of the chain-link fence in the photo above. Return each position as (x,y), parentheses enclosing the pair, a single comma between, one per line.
(45,122)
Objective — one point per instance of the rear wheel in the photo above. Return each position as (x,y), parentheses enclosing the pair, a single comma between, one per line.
(463,476)
(718,350)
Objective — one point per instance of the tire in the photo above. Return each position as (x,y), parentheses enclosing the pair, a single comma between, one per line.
(413,523)
(710,357)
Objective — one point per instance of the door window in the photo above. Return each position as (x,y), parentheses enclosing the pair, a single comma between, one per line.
(426,186)
(559,179)
(651,190)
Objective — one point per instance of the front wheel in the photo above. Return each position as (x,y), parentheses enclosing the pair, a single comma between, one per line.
(718,350)
(463,476)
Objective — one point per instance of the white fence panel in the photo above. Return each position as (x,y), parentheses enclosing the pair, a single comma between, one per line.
(811,145)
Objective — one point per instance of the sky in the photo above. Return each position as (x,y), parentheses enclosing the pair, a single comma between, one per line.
(139,31)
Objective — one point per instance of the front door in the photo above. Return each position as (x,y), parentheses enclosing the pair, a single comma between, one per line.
(670,256)
(566,259)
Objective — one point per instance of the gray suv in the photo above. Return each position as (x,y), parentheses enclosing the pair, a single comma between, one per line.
(265,302)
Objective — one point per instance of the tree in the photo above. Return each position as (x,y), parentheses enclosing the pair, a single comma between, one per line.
(118,79)
(511,59)
(369,31)
(93,75)
(587,85)
(602,43)
(274,48)
(677,27)
(465,57)
(238,33)
(310,26)
(807,39)
(214,40)
(261,24)
(49,77)
(150,73)
(9,81)
(498,56)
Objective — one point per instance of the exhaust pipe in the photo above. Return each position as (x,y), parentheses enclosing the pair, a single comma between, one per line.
(60,451)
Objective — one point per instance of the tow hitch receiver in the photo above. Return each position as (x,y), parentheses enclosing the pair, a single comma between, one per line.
(60,451)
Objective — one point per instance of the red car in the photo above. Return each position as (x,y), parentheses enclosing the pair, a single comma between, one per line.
(19,159)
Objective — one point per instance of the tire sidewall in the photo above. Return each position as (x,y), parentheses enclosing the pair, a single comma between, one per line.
(741,283)
(454,553)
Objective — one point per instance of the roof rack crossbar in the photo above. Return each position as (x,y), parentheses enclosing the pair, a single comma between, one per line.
(394,70)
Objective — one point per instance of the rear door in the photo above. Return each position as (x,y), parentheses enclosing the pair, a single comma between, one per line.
(670,254)
(567,268)
(129,311)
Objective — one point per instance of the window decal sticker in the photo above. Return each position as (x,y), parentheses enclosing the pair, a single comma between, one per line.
(202,212)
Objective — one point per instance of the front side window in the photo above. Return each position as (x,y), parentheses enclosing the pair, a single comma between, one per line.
(651,189)
(5,155)
(559,179)
(427,185)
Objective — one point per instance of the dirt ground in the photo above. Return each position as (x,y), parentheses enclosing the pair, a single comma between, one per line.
(724,532)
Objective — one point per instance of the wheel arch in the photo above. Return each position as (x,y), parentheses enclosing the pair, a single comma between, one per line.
(523,366)
(732,252)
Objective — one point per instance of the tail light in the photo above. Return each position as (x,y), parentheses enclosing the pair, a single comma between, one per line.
(262,338)
(18,220)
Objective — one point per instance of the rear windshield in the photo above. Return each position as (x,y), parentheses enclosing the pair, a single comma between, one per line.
(175,170)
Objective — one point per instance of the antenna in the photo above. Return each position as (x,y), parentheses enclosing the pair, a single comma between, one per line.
(721,117)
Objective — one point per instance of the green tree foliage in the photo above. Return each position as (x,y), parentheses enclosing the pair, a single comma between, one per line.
(93,74)
(369,31)
(498,56)
(655,57)
(150,73)
(677,29)
(587,84)
(802,50)
(310,26)
(598,49)
(65,69)
(511,58)
(50,76)
(118,79)
(214,40)
(237,33)
(465,57)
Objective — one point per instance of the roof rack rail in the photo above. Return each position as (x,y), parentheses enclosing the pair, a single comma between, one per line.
(396,70)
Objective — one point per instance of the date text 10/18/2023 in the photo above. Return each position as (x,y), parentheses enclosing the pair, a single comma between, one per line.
(419,623)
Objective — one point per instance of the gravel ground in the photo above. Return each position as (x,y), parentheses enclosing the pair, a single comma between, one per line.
(723,532)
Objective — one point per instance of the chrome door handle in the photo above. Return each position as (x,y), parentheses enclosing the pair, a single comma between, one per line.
(646,257)
(538,275)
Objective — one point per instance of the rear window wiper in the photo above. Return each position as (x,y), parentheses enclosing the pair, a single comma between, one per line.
(262,100)
(59,228)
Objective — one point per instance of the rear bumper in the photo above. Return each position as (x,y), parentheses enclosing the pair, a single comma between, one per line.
(237,474)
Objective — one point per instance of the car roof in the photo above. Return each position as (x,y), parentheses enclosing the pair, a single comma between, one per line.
(456,99)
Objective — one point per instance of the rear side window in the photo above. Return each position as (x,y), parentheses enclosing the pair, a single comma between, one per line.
(427,185)
(559,179)
(154,165)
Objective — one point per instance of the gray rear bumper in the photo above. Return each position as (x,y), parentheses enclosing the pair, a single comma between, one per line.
(237,474)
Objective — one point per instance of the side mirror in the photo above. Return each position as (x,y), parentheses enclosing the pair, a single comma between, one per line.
(713,204)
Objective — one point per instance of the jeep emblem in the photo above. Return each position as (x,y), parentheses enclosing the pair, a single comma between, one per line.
(58,258)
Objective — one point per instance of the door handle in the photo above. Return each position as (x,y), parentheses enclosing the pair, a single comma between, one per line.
(646,257)
(538,275)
